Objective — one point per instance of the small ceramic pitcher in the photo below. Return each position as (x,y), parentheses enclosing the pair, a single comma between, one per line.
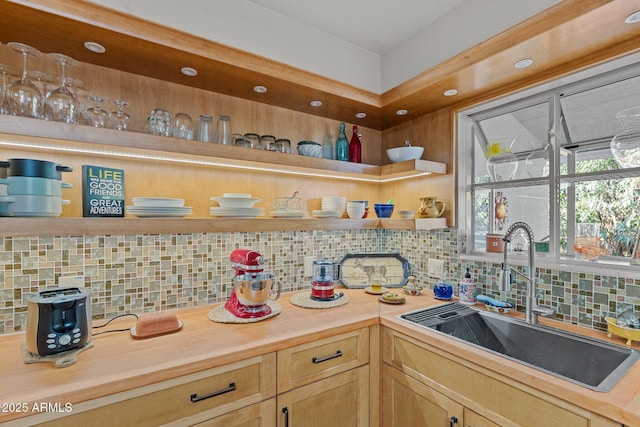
(431,207)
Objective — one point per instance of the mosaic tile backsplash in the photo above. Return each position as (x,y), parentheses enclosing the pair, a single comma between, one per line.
(144,273)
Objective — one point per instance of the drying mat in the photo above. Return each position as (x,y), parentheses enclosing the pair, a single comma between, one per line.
(220,314)
(303,299)
(60,360)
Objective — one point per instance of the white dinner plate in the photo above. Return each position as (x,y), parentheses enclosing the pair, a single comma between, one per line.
(320,213)
(158,202)
(286,214)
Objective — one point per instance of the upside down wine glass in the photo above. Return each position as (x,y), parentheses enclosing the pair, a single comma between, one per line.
(62,103)
(5,106)
(119,119)
(25,98)
(96,115)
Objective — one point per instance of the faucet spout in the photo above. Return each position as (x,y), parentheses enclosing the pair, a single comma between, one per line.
(532,310)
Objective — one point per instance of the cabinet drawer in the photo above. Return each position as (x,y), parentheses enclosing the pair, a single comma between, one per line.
(191,398)
(310,362)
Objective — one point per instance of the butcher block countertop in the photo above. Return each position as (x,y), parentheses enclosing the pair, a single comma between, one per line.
(117,362)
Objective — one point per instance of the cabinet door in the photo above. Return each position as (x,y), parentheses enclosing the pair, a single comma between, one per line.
(407,402)
(472,419)
(261,414)
(338,401)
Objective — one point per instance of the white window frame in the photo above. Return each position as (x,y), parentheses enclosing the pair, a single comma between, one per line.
(465,155)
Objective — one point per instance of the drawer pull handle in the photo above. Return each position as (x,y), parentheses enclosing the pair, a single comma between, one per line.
(453,420)
(285,411)
(196,398)
(324,359)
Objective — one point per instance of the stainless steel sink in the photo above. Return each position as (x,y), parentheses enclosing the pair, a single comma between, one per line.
(588,362)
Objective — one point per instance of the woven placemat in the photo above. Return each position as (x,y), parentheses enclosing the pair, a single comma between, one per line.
(303,299)
(220,314)
(60,360)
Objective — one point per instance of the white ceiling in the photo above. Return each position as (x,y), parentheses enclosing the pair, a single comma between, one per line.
(371,44)
(374,25)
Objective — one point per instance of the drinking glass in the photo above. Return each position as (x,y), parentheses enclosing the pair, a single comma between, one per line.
(253,139)
(25,98)
(5,106)
(96,115)
(204,128)
(183,126)
(62,102)
(119,119)
(268,142)
(223,130)
(587,241)
(160,122)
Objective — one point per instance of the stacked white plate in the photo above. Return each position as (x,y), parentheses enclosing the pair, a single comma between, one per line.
(286,214)
(158,207)
(236,205)
(331,207)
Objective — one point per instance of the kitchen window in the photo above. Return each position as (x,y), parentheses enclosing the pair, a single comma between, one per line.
(544,157)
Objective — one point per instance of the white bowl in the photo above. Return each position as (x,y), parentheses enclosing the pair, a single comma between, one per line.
(355,212)
(406,214)
(236,195)
(236,202)
(401,154)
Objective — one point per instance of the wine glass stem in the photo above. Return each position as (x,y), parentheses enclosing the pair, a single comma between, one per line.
(24,65)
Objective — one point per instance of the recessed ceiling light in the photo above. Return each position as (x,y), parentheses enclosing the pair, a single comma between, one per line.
(95,47)
(633,18)
(523,63)
(401,112)
(361,115)
(450,92)
(315,103)
(188,71)
(259,89)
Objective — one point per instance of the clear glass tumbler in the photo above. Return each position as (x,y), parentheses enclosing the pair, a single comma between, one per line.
(587,241)
(223,130)
(160,122)
(183,126)
(204,128)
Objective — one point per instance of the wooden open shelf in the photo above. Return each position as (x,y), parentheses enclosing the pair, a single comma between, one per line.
(42,136)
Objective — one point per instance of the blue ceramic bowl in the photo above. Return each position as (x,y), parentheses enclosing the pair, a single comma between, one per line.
(383,210)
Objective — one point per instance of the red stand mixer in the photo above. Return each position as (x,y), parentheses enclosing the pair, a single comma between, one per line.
(252,288)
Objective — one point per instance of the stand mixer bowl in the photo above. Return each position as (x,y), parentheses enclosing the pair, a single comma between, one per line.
(254,290)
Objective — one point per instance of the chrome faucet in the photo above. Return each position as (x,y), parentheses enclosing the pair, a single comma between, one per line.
(532,309)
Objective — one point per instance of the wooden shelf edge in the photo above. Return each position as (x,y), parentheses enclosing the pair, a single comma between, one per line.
(414,224)
(41,135)
(44,226)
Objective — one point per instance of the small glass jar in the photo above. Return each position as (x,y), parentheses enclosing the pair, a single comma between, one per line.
(268,142)
(253,140)
(283,145)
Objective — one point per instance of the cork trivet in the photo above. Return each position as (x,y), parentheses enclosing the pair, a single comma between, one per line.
(60,360)
(303,299)
(220,314)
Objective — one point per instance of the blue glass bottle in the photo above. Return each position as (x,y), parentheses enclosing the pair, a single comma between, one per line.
(342,145)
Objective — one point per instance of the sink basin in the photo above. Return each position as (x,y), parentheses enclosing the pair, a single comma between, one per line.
(588,362)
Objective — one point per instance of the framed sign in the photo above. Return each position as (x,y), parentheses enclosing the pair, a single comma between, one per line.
(359,270)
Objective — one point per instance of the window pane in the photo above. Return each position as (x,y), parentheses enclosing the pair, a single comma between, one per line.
(496,210)
(591,115)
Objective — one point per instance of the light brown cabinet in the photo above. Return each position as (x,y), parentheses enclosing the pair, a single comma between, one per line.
(451,387)
(325,382)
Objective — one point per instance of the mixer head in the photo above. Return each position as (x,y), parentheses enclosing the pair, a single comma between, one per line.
(246,261)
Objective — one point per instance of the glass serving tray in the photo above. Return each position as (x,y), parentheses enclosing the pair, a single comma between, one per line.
(359,270)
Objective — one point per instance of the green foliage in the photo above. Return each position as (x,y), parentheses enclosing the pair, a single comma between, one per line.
(612,203)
